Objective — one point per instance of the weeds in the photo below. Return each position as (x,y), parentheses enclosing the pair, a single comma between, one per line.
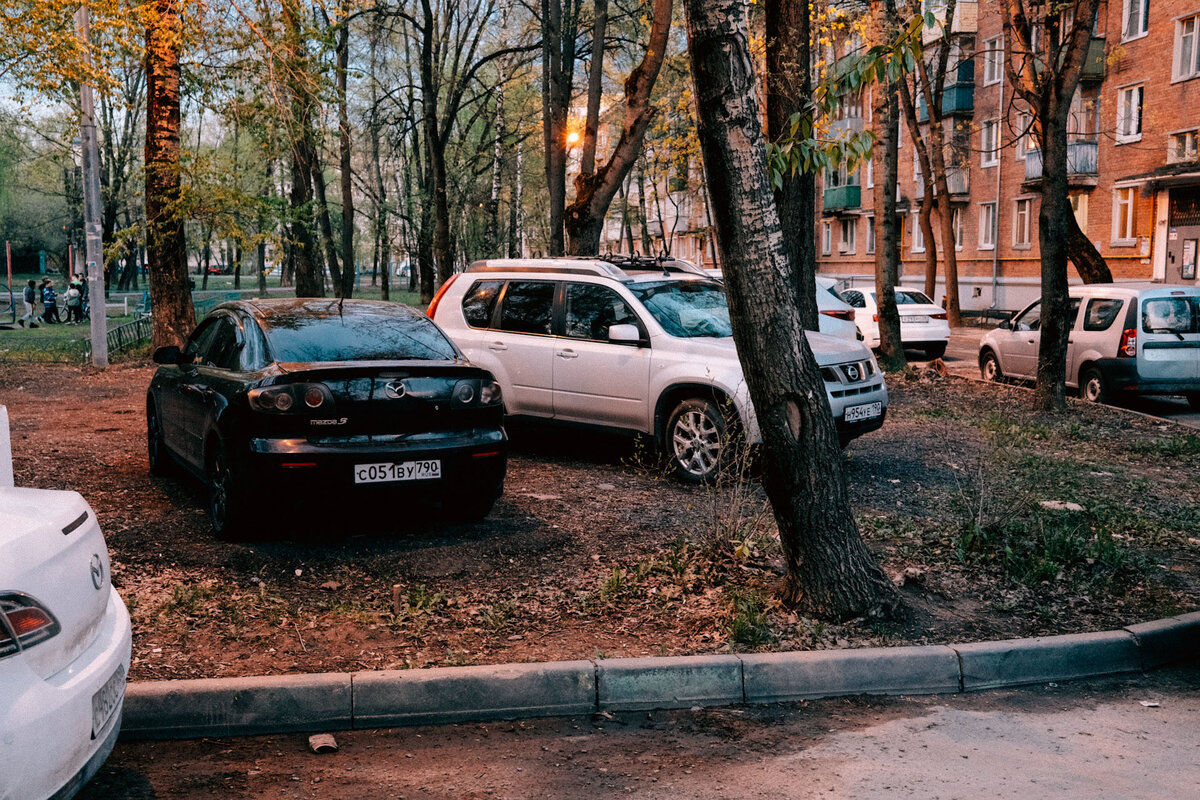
(748,625)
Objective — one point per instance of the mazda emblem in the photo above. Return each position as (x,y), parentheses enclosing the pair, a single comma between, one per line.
(395,389)
(97,571)
(852,372)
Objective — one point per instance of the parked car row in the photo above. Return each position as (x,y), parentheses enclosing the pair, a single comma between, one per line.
(368,399)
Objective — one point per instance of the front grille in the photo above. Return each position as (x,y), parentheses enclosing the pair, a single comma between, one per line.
(852,372)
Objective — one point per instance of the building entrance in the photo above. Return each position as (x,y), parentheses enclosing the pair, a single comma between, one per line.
(1183,236)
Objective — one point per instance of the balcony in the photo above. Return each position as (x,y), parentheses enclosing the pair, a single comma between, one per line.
(1081,164)
(958,96)
(840,198)
(966,19)
(958,181)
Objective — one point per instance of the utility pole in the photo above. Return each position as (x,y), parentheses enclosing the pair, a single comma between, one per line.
(94,245)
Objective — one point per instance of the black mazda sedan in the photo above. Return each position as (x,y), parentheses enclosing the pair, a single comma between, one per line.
(336,402)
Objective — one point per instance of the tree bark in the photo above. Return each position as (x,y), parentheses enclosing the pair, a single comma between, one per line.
(1090,265)
(172,313)
(346,287)
(789,85)
(887,243)
(308,276)
(829,567)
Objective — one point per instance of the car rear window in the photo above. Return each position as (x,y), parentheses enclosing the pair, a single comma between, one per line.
(372,333)
(905,297)
(1101,312)
(1170,315)
(479,301)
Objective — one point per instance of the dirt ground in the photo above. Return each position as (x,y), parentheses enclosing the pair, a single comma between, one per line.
(589,554)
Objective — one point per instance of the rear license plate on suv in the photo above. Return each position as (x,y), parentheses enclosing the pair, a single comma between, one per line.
(865,411)
(106,699)
(388,472)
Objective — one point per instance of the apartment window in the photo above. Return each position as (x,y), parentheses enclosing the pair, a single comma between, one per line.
(956,225)
(917,176)
(826,238)
(1182,146)
(870,235)
(1135,19)
(987,226)
(1122,228)
(918,237)
(846,243)
(1022,212)
(1129,114)
(1025,139)
(993,60)
(870,170)
(1079,207)
(1187,48)
(988,135)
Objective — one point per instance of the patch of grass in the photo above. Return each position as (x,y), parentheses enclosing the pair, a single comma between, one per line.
(749,625)
(186,600)
(1181,445)
(936,412)
(420,600)
(498,616)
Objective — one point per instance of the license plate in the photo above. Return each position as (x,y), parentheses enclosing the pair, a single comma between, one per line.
(106,699)
(865,411)
(389,472)
(914,319)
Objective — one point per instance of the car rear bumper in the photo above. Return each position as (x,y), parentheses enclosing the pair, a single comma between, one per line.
(1122,375)
(50,748)
(471,459)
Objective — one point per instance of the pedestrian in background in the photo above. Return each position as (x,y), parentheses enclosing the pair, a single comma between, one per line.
(30,298)
(75,302)
(49,302)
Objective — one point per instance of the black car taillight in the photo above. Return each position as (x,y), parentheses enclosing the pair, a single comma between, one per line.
(476,393)
(838,313)
(24,622)
(291,398)
(1128,346)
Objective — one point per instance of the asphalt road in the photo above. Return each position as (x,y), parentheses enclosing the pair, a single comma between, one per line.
(1098,740)
(962,358)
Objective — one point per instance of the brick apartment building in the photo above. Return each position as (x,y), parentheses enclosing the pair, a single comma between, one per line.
(1133,162)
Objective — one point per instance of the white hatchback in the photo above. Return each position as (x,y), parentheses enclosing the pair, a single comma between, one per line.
(923,324)
(638,345)
(64,645)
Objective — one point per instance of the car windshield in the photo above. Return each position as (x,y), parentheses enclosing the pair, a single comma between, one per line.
(687,309)
(375,332)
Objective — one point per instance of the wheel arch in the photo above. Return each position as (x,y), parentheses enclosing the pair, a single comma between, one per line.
(673,395)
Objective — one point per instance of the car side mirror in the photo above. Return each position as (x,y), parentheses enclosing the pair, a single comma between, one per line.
(1005,325)
(624,333)
(167,355)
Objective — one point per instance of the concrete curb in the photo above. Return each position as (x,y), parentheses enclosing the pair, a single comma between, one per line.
(287,703)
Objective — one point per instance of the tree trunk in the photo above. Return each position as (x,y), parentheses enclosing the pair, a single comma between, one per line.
(789,85)
(829,567)
(887,249)
(302,248)
(594,192)
(559,23)
(1053,231)
(346,287)
(172,312)
(1090,265)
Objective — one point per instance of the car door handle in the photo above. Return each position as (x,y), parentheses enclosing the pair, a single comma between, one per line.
(567,354)
(497,347)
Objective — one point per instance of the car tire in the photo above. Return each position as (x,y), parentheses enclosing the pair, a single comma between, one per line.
(1193,399)
(989,367)
(935,350)
(227,505)
(1092,386)
(156,448)
(695,439)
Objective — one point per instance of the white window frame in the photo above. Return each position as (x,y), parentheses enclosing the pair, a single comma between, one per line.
(917,174)
(1022,238)
(870,234)
(847,236)
(989,151)
(826,238)
(1142,7)
(987,225)
(1124,207)
(993,60)
(870,170)
(1190,153)
(1130,113)
(1181,71)
(917,241)
(956,227)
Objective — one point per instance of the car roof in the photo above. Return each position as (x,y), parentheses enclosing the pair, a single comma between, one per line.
(273,310)
(623,268)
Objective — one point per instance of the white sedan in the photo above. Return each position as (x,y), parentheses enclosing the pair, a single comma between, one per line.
(923,324)
(64,645)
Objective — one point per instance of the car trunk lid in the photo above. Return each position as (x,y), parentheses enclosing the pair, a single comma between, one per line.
(1169,334)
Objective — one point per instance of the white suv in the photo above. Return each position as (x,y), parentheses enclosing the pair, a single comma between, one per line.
(637,344)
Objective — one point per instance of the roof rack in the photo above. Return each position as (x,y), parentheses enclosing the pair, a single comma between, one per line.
(609,265)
